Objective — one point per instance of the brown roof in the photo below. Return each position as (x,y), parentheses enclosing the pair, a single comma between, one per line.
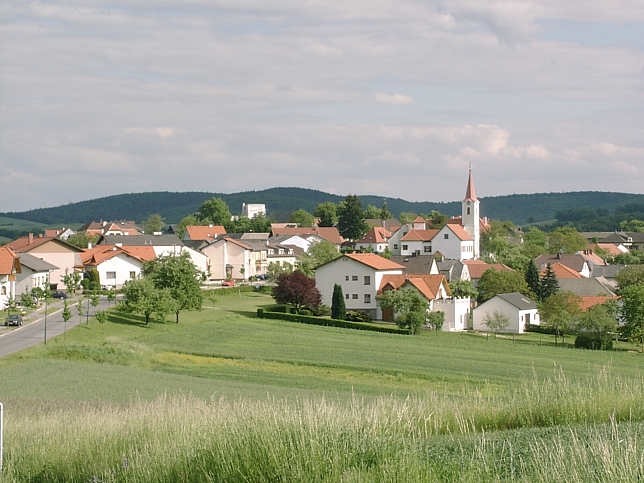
(142,252)
(460,232)
(477,267)
(329,234)
(29,242)
(208,232)
(100,253)
(9,261)
(575,261)
(102,227)
(428,285)
(561,271)
(374,261)
(587,301)
(470,194)
(419,235)
(608,248)
(458,220)
(377,234)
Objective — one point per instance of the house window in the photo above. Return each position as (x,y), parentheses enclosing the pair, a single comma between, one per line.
(367,298)
(404,247)
(395,246)
(347,278)
(354,296)
(446,236)
(468,210)
(354,278)
(428,249)
(4,290)
(132,275)
(347,297)
(111,275)
(367,280)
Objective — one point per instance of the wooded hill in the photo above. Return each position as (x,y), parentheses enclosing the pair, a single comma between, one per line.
(280,202)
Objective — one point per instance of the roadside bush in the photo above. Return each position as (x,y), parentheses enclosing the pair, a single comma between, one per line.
(594,342)
(357,316)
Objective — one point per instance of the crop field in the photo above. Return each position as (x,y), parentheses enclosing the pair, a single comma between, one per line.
(225,396)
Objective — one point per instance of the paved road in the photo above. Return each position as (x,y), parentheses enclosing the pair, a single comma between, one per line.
(34,332)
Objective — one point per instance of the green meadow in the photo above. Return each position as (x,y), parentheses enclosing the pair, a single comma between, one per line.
(225,396)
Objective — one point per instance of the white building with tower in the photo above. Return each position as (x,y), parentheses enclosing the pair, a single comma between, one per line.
(251,210)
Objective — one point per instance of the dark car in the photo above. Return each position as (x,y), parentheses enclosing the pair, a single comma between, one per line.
(13,319)
(59,295)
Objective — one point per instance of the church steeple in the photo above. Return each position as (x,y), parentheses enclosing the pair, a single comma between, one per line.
(470,194)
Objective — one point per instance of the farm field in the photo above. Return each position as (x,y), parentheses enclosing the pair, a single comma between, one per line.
(224,396)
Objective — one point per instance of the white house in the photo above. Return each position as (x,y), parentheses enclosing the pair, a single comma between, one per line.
(435,289)
(9,268)
(454,243)
(252,210)
(360,276)
(375,239)
(520,310)
(35,273)
(115,265)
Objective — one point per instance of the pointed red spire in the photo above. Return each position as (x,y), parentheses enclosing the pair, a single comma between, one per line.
(470,194)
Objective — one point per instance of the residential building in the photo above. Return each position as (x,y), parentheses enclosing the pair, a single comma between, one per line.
(576,262)
(374,240)
(204,233)
(115,265)
(252,210)
(9,268)
(36,273)
(122,228)
(521,311)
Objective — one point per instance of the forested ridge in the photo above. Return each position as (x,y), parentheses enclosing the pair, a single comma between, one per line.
(574,207)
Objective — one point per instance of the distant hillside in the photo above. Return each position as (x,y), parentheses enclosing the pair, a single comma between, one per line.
(280,202)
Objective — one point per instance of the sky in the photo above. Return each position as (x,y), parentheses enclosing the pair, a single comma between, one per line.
(396,98)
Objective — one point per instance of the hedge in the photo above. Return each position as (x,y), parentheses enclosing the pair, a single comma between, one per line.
(242,289)
(594,341)
(344,324)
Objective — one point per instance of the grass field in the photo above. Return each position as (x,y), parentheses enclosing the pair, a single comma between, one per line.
(224,396)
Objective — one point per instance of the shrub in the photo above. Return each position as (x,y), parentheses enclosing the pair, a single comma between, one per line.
(594,342)
(305,312)
(358,316)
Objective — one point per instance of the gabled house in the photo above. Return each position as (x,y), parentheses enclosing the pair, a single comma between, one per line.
(417,242)
(560,271)
(35,273)
(477,267)
(115,265)
(52,250)
(521,311)
(576,262)
(203,233)
(360,275)
(435,289)
(454,270)
(9,268)
(585,287)
(122,228)
(454,243)
(228,259)
(63,233)
(283,254)
(329,234)
(424,265)
(375,240)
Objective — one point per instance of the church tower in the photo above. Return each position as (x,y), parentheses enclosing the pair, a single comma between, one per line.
(470,214)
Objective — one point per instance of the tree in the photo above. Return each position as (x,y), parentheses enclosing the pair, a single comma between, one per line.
(372,212)
(26,299)
(438,220)
(81,312)
(142,297)
(494,282)
(532,279)
(496,322)
(101,317)
(633,225)
(318,253)
(94,279)
(82,240)
(410,307)
(111,296)
(327,213)
(549,284)
(632,275)
(189,220)
(214,211)
(154,224)
(180,276)
(298,290)
(560,311)
(338,307)
(384,212)
(534,236)
(406,217)
(71,280)
(67,314)
(274,270)
(95,301)
(566,239)
(436,320)
(351,219)
(595,328)
(462,289)
(632,311)
(302,218)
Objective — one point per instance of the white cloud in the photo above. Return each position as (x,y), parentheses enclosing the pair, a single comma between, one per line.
(392,98)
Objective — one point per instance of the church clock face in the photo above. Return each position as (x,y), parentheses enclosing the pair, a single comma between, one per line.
(468,203)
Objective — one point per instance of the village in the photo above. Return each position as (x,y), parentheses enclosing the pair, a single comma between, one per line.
(438,258)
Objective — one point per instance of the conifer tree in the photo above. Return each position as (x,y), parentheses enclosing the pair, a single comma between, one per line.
(549,284)
(532,279)
(351,218)
(338,308)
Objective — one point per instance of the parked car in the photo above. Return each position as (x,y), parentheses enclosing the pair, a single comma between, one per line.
(13,319)
(227,283)
(59,295)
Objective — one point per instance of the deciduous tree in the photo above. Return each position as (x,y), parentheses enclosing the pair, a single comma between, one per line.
(632,297)
(566,239)
(408,306)
(153,224)
(298,290)
(327,213)
(560,311)
(317,254)
(214,211)
(494,282)
(496,322)
(462,289)
(302,217)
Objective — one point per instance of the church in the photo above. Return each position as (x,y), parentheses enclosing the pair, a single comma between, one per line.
(459,239)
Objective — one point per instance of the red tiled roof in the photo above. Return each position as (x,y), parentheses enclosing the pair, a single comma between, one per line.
(428,285)
(477,267)
(142,252)
(420,235)
(9,261)
(100,253)
(460,232)
(374,261)
(608,248)
(377,234)
(26,243)
(208,232)
(587,302)
(329,234)
(561,271)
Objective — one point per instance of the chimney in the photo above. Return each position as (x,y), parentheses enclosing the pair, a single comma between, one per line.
(104,223)
(89,245)
(31,238)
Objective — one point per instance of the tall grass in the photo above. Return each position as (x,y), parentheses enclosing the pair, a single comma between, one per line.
(548,430)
